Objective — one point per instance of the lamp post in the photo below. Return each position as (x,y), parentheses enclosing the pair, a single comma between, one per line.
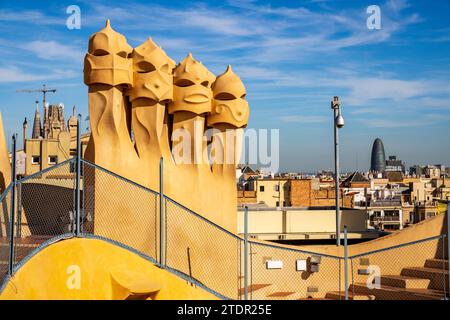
(338,123)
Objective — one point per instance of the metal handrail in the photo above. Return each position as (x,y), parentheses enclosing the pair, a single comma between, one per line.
(202,218)
(118,176)
(398,246)
(39,173)
(325,255)
(5,192)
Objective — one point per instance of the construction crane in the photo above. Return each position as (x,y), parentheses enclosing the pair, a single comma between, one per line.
(44,91)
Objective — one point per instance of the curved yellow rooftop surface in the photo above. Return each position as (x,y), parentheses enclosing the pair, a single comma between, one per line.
(87,269)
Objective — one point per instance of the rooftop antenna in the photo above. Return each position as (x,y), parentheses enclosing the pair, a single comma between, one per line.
(44,91)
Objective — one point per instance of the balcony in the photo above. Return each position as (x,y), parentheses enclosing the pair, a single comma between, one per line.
(386,203)
(390,218)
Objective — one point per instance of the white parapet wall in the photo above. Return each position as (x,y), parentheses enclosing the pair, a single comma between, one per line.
(301,223)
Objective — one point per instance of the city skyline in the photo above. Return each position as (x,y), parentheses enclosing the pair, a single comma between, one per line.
(393,82)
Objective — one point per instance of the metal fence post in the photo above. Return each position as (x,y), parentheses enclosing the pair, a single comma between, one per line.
(246,253)
(336,169)
(345,263)
(19,210)
(448,246)
(13,201)
(77,179)
(161,214)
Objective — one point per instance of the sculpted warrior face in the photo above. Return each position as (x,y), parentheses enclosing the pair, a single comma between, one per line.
(107,59)
(192,87)
(152,73)
(229,104)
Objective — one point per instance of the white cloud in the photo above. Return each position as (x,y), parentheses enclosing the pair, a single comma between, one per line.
(365,110)
(51,50)
(304,119)
(198,18)
(426,120)
(397,6)
(14,74)
(30,16)
(355,88)
(277,33)
(366,89)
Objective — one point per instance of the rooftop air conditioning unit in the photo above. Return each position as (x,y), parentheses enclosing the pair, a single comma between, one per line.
(314,262)
(274,264)
(301,265)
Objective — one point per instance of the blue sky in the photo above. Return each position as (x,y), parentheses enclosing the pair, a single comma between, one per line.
(293,56)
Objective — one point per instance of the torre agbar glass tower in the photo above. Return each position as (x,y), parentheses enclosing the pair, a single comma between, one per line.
(378,159)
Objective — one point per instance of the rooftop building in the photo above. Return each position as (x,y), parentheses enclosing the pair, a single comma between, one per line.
(378,158)
(52,140)
(395,165)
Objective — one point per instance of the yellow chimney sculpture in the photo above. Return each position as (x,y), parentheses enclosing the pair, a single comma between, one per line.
(5,166)
(143,107)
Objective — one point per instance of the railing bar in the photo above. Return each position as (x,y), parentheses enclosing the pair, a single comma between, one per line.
(240,269)
(156,226)
(397,246)
(345,263)
(42,246)
(162,222)
(120,244)
(251,269)
(197,283)
(339,279)
(448,246)
(56,166)
(353,277)
(78,179)
(297,250)
(246,254)
(118,176)
(443,267)
(5,192)
(201,217)
(11,257)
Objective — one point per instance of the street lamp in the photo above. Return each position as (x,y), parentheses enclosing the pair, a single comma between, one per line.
(338,123)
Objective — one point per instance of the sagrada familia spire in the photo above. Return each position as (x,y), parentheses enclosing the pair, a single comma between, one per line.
(53,122)
(37,130)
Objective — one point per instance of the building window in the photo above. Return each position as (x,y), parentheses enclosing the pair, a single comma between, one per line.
(52,159)
(430,215)
(276,187)
(73,167)
(277,204)
(35,160)
(261,188)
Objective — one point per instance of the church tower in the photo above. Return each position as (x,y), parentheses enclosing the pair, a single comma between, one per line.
(46,128)
(25,126)
(37,123)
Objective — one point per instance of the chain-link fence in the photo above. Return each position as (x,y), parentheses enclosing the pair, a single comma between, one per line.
(287,273)
(411,271)
(202,250)
(5,231)
(44,208)
(116,209)
(214,257)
